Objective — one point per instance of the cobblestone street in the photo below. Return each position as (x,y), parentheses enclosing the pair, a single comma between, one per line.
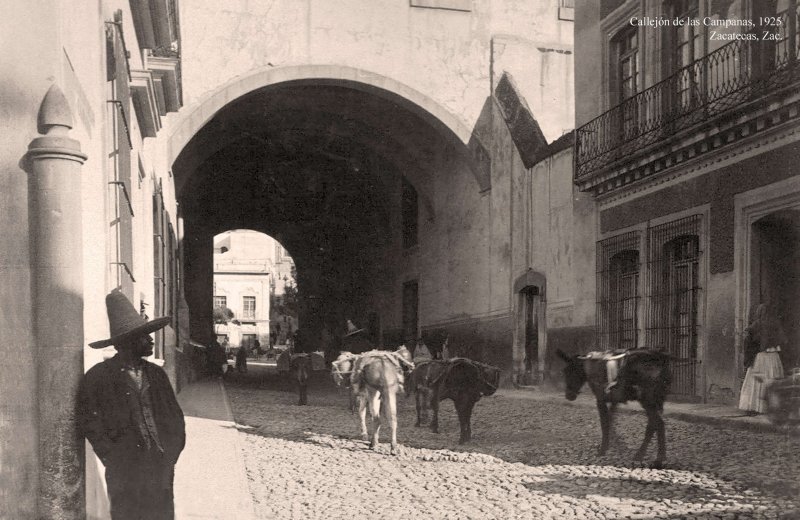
(527,459)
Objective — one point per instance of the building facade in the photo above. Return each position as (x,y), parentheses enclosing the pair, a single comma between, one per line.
(687,140)
(377,141)
(89,207)
(251,271)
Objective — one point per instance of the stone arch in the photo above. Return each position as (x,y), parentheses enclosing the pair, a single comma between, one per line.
(190,121)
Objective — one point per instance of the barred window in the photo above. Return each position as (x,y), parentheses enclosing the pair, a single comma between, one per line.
(220,302)
(674,290)
(618,291)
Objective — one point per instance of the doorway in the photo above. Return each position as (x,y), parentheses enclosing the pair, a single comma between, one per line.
(530,340)
(775,274)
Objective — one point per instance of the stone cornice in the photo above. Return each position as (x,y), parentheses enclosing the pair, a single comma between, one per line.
(731,153)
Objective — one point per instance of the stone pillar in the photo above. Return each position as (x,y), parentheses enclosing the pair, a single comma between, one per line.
(53,163)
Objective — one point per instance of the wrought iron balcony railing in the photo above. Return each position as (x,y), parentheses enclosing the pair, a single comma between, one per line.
(739,72)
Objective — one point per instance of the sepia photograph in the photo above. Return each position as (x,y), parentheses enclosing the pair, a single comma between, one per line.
(400,259)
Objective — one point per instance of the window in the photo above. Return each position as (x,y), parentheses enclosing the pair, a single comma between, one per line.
(249,307)
(118,113)
(220,302)
(674,291)
(618,291)
(566,10)
(624,277)
(771,55)
(626,78)
(160,267)
(409,208)
(684,49)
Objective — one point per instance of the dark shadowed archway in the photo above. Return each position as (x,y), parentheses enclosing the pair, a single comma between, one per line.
(319,165)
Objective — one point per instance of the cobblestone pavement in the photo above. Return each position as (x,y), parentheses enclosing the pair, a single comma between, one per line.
(527,459)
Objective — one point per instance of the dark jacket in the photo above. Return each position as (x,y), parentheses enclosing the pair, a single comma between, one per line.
(107,411)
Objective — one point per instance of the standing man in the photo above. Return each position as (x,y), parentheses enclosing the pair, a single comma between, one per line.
(241,358)
(128,412)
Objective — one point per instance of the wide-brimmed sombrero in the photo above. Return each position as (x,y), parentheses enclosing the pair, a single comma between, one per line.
(352,329)
(125,322)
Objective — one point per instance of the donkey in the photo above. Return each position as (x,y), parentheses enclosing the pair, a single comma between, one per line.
(643,376)
(463,380)
(376,377)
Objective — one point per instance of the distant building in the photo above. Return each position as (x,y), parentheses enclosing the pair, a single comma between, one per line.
(250,270)
(283,322)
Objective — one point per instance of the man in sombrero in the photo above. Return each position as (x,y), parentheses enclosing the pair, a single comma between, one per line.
(128,412)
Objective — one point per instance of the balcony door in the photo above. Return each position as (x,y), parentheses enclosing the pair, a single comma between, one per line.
(683,48)
(626,77)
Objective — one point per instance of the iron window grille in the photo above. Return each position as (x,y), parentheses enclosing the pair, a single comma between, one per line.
(618,269)
(674,290)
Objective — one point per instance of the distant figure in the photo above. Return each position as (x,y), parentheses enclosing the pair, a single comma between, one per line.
(128,412)
(241,359)
(273,338)
(421,352)
(356,340)
(445,350)
(257,347)
(217,360)
(766,330)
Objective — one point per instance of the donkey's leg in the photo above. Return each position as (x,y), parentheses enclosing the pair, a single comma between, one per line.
(375,411)
(391,412)
(605,426)
(662,437)
(464,406)
(361,401)
(420,402)
(648,433)
(434,402)
(303,394)
(425,405)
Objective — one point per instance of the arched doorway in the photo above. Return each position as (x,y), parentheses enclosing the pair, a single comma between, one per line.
(530,329)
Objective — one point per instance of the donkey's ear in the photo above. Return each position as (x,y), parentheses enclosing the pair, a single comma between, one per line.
(563,356)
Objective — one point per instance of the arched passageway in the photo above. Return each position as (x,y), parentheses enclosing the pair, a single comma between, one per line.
(321,165)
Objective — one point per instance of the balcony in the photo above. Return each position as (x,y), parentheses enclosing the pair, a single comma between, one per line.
(158,30)
(737,90)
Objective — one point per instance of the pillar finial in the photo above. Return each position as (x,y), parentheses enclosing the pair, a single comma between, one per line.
(54,112)
(54,122)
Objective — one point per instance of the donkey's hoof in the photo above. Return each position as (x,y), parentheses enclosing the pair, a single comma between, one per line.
(365,437)
(394,451)
(657,464)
